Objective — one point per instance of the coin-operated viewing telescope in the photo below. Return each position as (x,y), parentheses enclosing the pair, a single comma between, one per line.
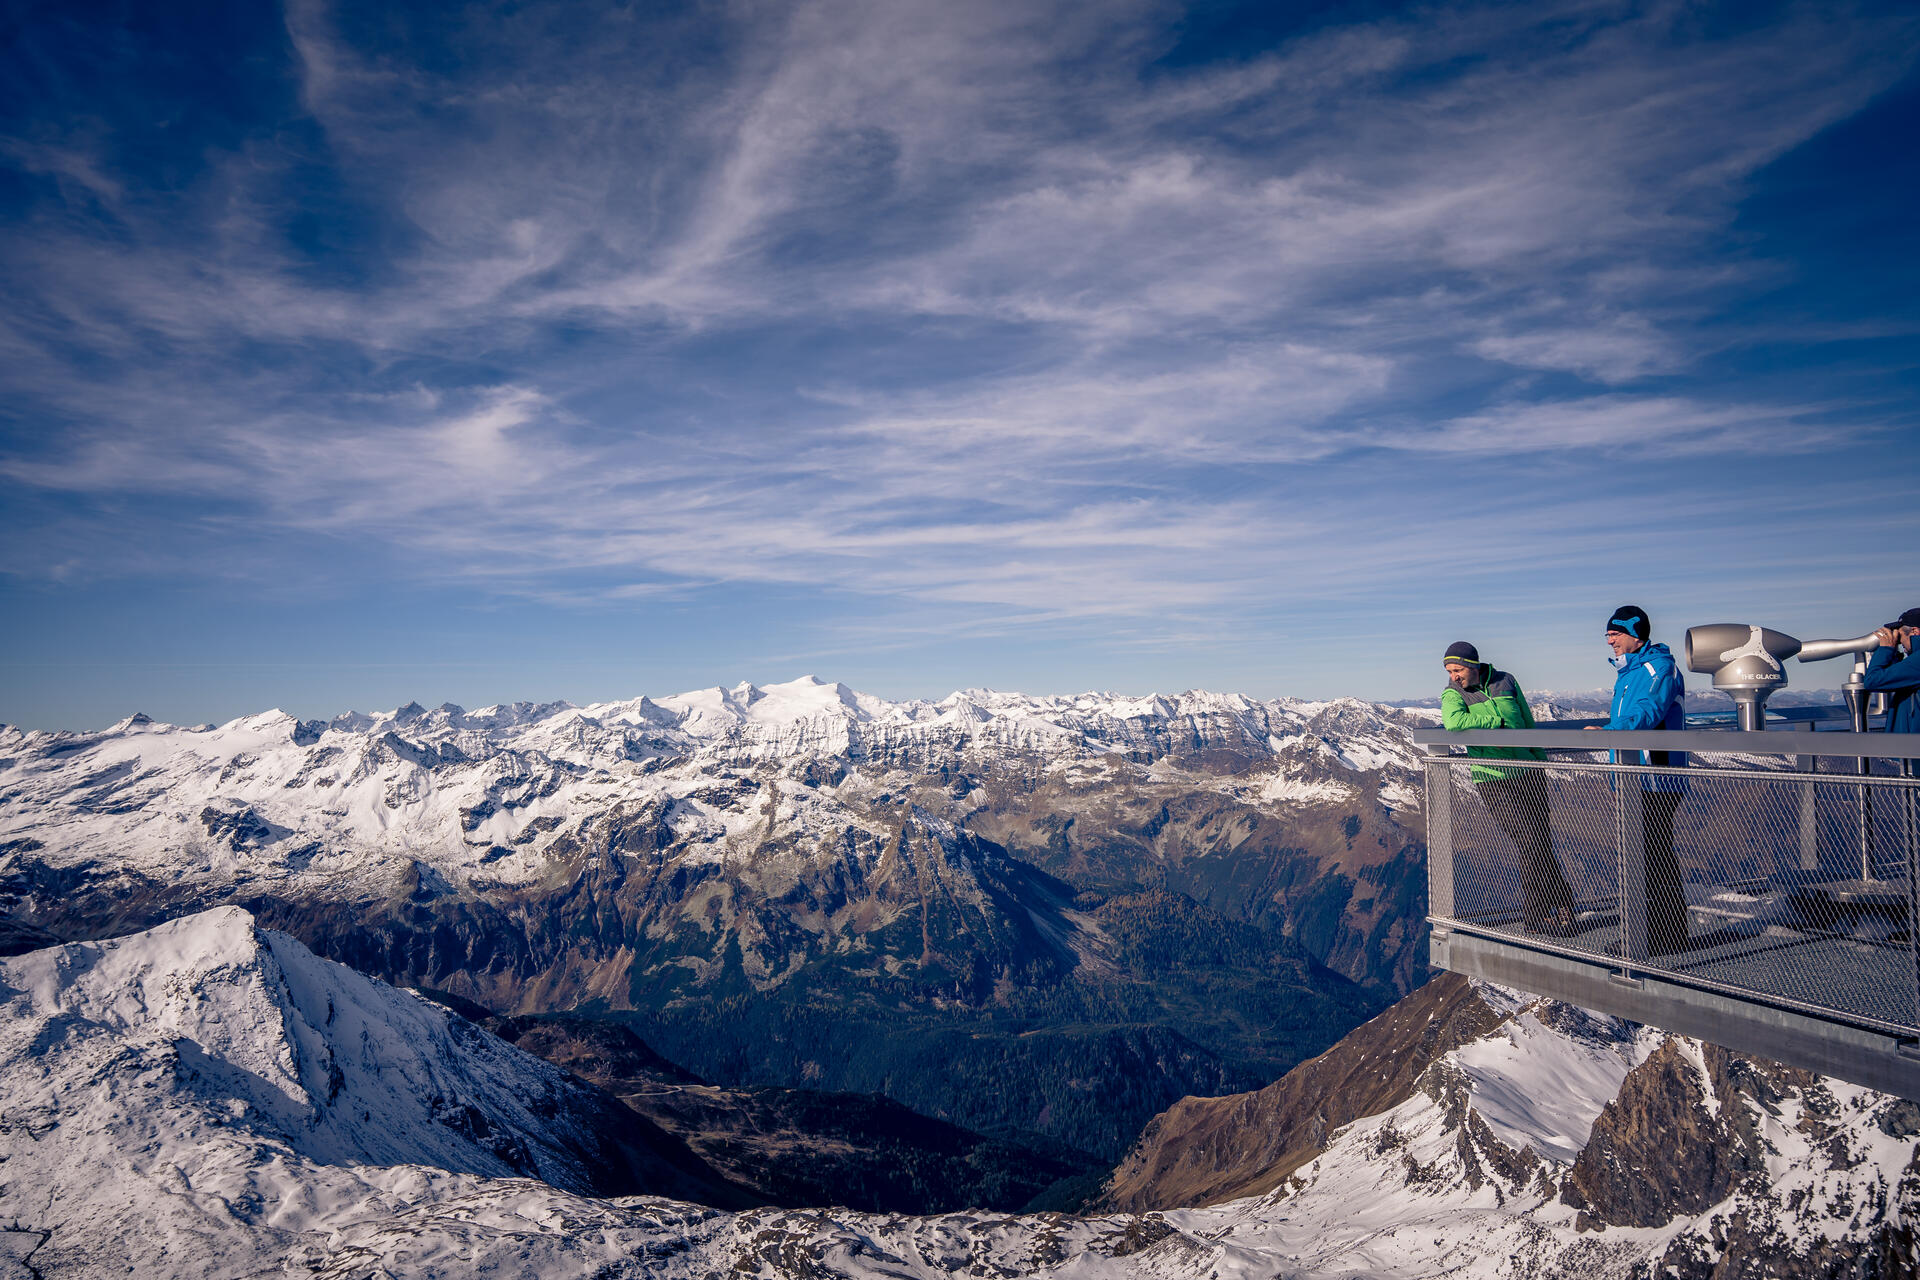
(1748,664)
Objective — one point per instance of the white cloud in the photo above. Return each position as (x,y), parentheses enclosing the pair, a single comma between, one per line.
(1650,425)
(1610,354)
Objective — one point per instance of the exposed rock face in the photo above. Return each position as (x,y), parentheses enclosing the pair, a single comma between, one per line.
(1207,1150)
(603,1053)
(1676,1140)
(1700,1132)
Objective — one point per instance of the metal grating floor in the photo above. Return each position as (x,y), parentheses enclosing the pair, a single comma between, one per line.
(1866,979)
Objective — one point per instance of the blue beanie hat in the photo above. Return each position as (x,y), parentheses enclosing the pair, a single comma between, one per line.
(1461,651)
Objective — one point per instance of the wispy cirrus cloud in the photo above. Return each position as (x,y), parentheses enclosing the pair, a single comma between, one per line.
(1037,310)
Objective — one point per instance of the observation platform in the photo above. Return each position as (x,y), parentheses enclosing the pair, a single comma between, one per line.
(1762,898)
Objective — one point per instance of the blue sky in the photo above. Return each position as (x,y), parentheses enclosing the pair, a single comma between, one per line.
(353,354)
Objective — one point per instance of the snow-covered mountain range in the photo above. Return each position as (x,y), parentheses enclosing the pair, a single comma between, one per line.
(487,795)
(210,1099)
(728,866)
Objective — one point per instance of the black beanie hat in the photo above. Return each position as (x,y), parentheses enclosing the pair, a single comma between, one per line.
(1632,619)
(1911,618)
(1461,651)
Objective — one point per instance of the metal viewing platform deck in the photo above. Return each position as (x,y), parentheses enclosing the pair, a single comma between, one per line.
(1763,897)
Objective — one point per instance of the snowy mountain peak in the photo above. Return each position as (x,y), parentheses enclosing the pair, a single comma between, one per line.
(271,720)
(257,1031)
(224,1092)
(251,1032)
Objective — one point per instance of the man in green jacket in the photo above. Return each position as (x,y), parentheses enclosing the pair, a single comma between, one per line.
(1479,697)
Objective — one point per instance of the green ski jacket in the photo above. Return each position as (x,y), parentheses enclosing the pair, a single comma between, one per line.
(1496,702)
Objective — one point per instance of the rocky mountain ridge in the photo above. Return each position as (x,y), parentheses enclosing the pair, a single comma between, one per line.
(1563,1143)
(482,795)
(1206,1151)
(425,805)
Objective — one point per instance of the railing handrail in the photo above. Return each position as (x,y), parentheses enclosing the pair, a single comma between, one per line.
(1768,742)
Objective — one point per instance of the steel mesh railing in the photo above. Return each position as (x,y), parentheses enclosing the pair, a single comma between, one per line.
(1742,875)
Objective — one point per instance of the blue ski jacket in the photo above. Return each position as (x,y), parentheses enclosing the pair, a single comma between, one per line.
(1900,681)
(1649,693)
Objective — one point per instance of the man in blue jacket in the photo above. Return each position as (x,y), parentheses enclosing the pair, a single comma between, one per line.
(1896,676)
(1649,693)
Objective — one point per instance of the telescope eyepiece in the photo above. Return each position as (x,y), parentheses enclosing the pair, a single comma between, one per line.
(1820,650)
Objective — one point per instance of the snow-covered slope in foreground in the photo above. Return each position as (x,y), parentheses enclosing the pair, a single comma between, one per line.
(200,1096)
(209,1099)
(1812,1179)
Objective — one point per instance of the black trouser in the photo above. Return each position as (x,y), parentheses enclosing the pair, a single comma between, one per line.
(1666,901)
(1518,802)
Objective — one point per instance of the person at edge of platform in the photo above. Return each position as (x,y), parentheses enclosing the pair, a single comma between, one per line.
(1895,676)
(1479,697)
(1649,693)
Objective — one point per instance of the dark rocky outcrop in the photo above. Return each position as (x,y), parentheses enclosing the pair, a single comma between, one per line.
(1206,1150)
(1749,1169)
(18,937)
(1677,1139)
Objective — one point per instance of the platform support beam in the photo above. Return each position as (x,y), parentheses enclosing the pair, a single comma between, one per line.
(1852,1053)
